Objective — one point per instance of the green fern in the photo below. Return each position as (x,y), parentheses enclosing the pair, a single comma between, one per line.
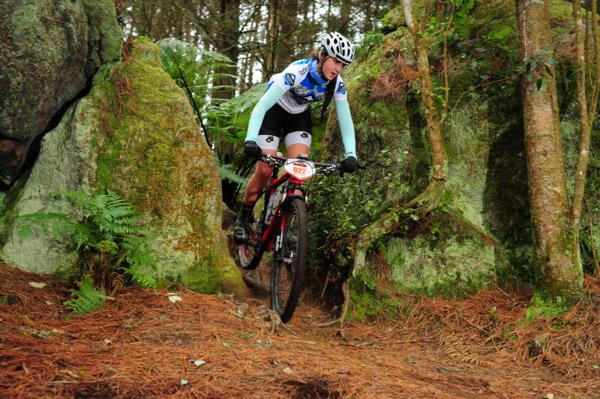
(139,258)
(227,173)
(110,232)
(86,298)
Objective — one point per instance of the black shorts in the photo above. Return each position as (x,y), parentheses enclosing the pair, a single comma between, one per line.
(279,124)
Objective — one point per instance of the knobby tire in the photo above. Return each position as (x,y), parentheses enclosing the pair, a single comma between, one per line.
(289,266)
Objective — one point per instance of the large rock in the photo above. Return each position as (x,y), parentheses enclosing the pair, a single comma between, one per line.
(457,248)
(136,134)
(49,50)
(481,231)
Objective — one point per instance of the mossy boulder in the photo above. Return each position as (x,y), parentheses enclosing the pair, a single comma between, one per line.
(135,134)
(480,231)
(455,249)
(49,51)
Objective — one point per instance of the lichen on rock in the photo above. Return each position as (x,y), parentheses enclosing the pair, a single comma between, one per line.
(451,250)
(50,51)
(135,134)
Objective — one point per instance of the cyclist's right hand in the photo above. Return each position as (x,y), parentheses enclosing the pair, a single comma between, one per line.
(251,149)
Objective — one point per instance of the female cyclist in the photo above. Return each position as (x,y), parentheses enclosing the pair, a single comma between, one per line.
(284,112)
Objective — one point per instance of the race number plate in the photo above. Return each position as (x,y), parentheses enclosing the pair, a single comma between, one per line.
(299,168)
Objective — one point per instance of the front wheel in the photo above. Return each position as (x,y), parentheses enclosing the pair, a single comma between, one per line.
(289,267)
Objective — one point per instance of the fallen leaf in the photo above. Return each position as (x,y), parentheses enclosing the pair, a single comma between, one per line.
(198,362)
(183,382)
(37,285)
(288,370)
(175,298)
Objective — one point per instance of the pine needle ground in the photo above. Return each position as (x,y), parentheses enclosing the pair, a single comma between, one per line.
(143,345)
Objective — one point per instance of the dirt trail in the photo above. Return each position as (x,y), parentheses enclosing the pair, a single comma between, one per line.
(142,345)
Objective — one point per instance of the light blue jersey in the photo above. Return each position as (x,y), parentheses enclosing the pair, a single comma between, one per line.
(303,84)
(294,90)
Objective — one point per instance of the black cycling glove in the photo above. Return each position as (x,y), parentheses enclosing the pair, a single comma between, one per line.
(348,165)
(251,149)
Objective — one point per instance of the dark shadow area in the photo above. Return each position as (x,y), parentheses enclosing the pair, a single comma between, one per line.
(17,156)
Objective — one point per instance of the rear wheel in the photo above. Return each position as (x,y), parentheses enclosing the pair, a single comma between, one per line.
(289,266)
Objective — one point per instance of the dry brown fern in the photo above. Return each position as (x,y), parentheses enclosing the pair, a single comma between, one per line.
(456,349)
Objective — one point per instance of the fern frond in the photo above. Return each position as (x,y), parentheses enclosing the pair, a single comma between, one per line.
(139,257)
(80,199)
(141,278)
(227,173)
(110,225)
(86,298)
(456,349)
(83,235)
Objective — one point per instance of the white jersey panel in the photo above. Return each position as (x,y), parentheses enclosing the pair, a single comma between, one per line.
(304,85)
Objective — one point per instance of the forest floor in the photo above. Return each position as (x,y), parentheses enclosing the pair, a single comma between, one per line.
(144,345)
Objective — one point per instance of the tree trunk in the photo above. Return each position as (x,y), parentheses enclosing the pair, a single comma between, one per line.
(560,271)
(287,25)
(428,200)
(272,36)
(433,122)
(596,51)
(345,11)
(227,44)
(584,123)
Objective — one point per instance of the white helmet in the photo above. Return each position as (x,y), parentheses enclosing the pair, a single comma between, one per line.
(338,47)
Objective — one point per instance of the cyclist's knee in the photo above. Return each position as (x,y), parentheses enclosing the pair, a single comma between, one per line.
(298,149)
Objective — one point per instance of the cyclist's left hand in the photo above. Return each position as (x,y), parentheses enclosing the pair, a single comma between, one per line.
(348,165)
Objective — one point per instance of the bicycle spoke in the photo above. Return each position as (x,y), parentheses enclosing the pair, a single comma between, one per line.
(290,262)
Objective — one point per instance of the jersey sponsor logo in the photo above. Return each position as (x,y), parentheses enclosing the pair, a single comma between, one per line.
(341,88)
(289,79)
(304,70)
(302,95)
(300,91)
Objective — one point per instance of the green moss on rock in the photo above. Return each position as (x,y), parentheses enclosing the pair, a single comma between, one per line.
(50,49)
(452,266)
(453,251)
(154,153)
(142,141)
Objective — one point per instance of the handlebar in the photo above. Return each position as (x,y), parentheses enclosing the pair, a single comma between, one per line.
(274,161)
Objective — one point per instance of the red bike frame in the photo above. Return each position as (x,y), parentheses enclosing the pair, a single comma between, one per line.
(296,171)
(277,221)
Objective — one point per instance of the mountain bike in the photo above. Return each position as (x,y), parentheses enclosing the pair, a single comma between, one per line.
(282,228)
